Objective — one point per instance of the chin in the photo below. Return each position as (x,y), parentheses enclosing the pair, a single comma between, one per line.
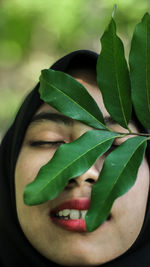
(78,259)
(78,262)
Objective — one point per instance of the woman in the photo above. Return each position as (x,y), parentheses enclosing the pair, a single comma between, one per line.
(29,236)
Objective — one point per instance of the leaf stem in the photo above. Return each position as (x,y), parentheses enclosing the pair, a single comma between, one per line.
(124,134)
(138,134)
(130,132)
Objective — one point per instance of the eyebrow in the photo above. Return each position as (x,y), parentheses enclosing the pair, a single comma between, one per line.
(55,117)
(60,118)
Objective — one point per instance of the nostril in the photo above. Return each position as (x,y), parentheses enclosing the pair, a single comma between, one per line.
(90,180)
(74,181)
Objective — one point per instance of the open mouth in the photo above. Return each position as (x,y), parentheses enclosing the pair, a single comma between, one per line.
(71,215)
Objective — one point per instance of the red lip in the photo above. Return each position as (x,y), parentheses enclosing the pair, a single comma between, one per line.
(71,225)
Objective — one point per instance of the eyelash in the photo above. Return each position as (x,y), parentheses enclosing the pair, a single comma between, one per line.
(56,144)
(41,143)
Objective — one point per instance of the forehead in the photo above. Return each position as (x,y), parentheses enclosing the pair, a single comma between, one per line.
(47,108)
(92,88)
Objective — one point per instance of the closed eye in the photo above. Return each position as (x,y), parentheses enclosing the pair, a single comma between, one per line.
(41,143)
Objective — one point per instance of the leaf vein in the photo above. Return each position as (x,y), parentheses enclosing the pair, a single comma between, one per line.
(122,170)
(77,104)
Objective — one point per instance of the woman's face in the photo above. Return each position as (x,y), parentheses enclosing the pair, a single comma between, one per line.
(70,246)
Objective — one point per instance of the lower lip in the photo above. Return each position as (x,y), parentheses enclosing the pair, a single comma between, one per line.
(71,225)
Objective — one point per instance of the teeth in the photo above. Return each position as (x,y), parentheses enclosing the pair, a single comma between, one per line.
(65,212)
(60,213)
(72,214)
(83,213)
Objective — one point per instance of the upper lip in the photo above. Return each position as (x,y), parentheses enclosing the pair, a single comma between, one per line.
(78,204)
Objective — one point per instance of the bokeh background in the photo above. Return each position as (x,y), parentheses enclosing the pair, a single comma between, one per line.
(35,33)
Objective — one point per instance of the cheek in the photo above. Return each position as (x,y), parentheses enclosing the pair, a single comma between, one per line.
(29,164)
(27,168)
(129,209)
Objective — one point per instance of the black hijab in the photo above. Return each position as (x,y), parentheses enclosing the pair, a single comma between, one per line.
(15,249)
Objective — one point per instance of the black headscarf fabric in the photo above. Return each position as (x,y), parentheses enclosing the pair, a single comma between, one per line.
(15,249)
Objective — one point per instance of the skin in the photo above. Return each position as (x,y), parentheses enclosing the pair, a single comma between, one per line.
(69,248)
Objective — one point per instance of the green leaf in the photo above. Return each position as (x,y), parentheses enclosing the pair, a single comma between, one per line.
(70,160)
(116,178)
(113,77)
(140,70)
(67,95)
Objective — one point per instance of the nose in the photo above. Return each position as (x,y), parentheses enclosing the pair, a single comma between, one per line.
(88,178)
(91,175)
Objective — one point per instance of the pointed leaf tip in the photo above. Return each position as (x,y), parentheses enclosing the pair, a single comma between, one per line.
(114,10)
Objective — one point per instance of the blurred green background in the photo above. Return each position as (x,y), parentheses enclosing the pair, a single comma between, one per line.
(35,33)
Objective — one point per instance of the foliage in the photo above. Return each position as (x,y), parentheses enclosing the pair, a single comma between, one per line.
(121,166)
